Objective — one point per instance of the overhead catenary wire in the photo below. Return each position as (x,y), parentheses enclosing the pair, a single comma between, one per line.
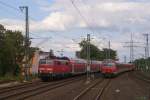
(84,19)
(131,46)
(14,8)
(38,37)
(18,10)
(10,6)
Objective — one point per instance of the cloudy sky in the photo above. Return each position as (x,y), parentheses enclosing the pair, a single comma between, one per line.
(62,24)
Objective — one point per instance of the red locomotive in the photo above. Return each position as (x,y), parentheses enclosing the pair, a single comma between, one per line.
(48,69)
(52,68)
(109,69)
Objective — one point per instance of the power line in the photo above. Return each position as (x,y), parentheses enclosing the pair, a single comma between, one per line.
(17,9)
(14,8)
(84,19)
(87,21)
(131,46)
(42,41)
(10,6)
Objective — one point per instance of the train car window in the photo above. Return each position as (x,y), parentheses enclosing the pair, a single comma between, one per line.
(42,61)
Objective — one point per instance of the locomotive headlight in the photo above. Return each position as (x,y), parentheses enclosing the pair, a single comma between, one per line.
(49,69)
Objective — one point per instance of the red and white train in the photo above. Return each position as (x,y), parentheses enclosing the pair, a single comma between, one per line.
(111,69)
(52,68)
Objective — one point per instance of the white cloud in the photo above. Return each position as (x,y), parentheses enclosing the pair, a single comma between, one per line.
(110,16)
(12,24)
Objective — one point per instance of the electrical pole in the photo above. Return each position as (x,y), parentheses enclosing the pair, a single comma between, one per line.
(125,59)
(131,46)
(109,50)
(88,58)
(131,49)
(26,42)
(147,46)
(146,51)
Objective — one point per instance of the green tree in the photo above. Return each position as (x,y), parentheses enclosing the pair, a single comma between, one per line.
(95,52)
(12,51)
(105,53)
(2,29)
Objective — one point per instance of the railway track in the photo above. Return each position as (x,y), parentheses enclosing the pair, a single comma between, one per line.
(94,91)
(17,87)
(141,77)
(35,89)
(7,81)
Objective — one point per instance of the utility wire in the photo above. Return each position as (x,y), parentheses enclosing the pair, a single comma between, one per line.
(10,6)
(84,19)
(14,8)
(37,37)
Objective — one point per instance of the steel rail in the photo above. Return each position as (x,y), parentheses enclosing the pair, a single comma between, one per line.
(39,89)
(87,89)
(102,90)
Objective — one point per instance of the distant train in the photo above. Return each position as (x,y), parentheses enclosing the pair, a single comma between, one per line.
(111,69)
(58,68)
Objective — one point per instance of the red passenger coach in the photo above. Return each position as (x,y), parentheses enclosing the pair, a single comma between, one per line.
(78,66)
(96,66)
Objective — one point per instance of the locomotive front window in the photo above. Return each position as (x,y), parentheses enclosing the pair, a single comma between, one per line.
(61,62)
(109,64)
(64,63)
(50,62)
(43,61)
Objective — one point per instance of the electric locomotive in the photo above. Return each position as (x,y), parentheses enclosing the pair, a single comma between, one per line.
(109,69)
(54,68)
